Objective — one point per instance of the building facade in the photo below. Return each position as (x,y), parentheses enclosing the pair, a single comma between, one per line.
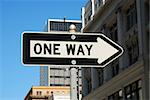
(127,23)
(48,93)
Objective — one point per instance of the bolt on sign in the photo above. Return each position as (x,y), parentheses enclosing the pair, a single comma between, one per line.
(73,49)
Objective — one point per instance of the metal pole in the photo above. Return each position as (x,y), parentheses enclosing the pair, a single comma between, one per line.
(73,72)
(78,84)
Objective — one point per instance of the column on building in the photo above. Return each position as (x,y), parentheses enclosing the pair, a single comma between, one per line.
(48,76)
(121,39)
(143,46)
(84,83)
(94,78)
(93,9)
(140,25)
(83,18)
(104,2)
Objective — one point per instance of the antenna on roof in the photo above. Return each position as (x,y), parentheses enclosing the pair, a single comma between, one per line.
(65,18)
(65,28)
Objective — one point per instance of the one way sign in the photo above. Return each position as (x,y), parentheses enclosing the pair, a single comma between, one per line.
(82,49)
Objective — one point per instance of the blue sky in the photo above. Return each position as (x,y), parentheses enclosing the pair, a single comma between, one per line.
(17,16)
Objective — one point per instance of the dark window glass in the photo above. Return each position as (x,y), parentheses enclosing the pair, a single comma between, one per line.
(133,48)
(131,16)
(114,32)
(100,75)
(59,84)
(116,96)
(38,92)
(115,68)
(89,86)
(64,26)
(133,92)
(110,97)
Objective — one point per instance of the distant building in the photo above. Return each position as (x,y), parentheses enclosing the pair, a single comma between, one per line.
(48,93)
(62,25)
(127,23)
(58,75)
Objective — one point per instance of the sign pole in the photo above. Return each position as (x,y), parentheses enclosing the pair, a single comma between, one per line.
(73,71)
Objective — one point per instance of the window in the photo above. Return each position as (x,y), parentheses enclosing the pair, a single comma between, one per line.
(89,15)
(87,75)
(79,26)
(133,48)
(133,91)
(115,68)
(89,86)
(61,77)
(147,13)
(47,92)
(116,96)
(97,4)
(63,26)
(114,32)
(38,92)
(100,74)
(131,16)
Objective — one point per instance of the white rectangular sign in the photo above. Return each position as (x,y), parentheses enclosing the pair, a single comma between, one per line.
(63,49)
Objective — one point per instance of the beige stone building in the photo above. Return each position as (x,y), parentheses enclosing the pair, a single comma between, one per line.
(48,93)
(127,23)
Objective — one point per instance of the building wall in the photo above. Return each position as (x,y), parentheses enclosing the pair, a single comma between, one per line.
(125,22)
(44,76)
(59,76)
(47,93)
